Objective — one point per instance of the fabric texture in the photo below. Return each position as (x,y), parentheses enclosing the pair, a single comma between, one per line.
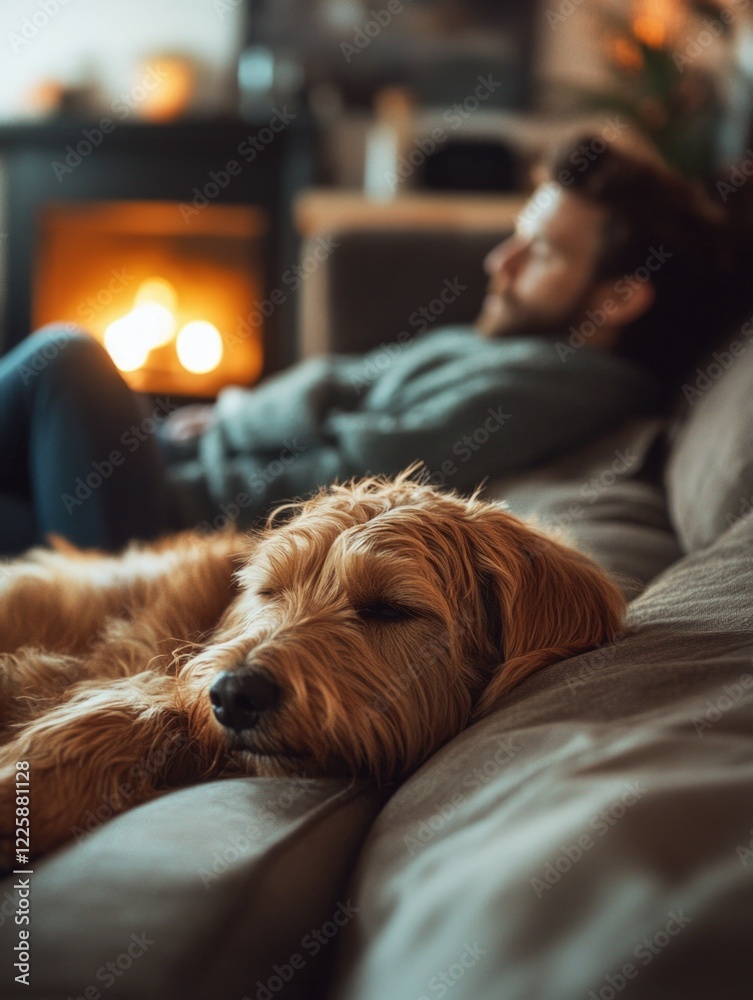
(198,894)
(465,406)
(444,902)
(710,470)
(605,499)
(592,837)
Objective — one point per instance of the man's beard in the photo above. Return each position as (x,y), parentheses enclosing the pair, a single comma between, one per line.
(515,323)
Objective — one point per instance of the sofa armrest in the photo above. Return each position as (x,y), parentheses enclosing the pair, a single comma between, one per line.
(373,283)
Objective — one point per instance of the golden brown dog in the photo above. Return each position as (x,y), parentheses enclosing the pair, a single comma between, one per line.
(355,635)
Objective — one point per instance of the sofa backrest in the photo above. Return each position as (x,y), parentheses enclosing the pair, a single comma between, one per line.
(709,473)
(379,283)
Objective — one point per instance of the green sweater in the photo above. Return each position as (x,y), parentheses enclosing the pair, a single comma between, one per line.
(467,407)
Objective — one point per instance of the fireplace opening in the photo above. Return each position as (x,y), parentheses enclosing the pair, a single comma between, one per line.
(166,297)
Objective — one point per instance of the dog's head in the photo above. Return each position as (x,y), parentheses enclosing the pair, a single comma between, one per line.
(379,618)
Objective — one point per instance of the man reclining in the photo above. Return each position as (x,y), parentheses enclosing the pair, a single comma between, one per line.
(611,284)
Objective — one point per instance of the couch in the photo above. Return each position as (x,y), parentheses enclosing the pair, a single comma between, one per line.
(591,838)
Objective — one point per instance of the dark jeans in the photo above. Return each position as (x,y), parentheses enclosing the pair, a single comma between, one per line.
(78,451)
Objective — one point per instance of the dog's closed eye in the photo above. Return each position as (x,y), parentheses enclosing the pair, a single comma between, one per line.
(383,611)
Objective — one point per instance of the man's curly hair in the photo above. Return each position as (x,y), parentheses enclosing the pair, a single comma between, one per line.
(650,206)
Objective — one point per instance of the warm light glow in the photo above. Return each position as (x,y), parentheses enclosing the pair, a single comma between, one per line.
(199,347)
(657,23)
(159,291)
(155,303)
(165,86)
(157,323)
(625,53)
(650,30)
(121,255)
(126,343)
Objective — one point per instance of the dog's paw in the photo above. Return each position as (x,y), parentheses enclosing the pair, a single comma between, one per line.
(33,681)
(34,817)
(40,803)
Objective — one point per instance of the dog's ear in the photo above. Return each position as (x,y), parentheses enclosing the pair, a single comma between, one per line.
(544,600)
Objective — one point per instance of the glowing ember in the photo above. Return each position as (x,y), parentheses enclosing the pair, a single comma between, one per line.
(199,347)
(127,343)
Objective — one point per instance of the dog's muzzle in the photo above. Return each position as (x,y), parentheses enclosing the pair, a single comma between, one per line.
(240,698)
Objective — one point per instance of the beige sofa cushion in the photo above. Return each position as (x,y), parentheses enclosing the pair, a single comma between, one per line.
(606,499)
(710,469)
(199,894)
(593,836)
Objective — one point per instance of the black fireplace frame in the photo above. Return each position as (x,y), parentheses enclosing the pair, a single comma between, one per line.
(140,161)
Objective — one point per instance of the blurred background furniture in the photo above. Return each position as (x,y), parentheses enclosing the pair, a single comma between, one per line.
(391,260)
(439,99)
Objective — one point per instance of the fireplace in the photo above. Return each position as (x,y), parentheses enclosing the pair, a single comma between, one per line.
(166,295)
(145,202)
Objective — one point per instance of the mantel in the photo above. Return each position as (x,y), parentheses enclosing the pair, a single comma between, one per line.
(58,132)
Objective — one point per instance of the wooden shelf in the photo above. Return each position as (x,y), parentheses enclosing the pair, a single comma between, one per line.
(319,211)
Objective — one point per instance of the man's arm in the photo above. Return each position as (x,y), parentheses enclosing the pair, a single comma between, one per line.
(292,404)
(491,424)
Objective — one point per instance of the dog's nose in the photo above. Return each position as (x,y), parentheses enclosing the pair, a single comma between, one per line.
(239,698)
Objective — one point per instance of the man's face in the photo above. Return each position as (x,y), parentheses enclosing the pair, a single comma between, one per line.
(541,278)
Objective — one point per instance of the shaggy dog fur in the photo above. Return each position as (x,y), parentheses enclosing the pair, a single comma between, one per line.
(355,635)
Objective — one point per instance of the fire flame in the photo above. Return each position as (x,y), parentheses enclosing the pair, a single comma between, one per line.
(152,323)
